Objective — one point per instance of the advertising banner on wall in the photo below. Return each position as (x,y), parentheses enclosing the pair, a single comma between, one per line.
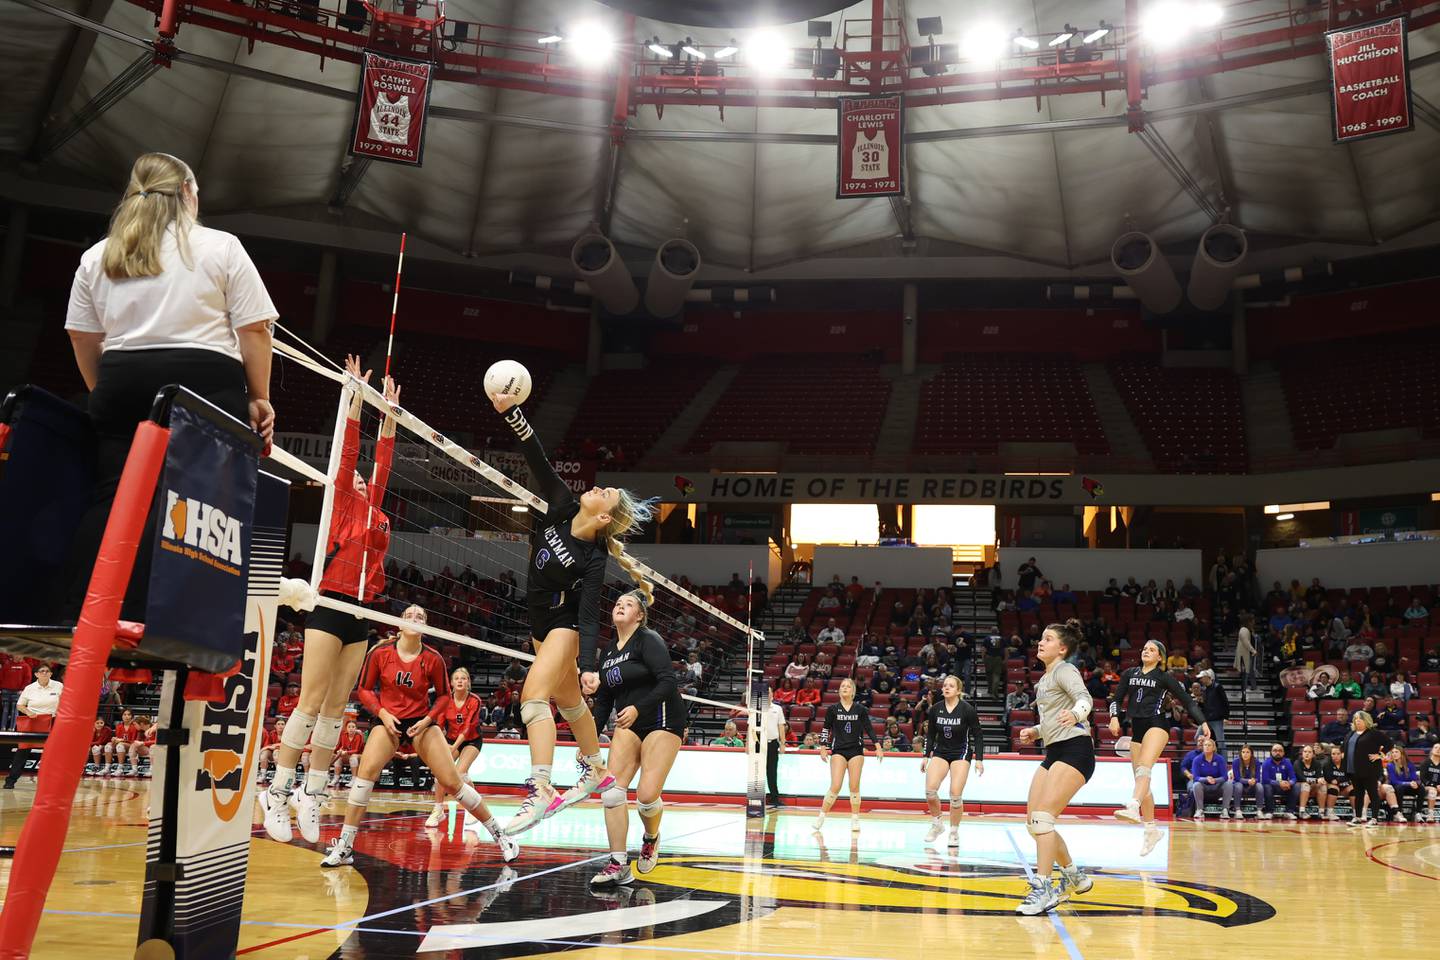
(390,109)
(1370,80)
(871,147)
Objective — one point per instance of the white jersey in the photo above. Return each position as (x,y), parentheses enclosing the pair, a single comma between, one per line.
(390,119)
(870,158)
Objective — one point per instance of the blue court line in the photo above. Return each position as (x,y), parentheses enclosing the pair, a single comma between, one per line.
(1056,921)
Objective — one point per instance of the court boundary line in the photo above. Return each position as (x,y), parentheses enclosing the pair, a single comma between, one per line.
(1056,920)
(1370,855)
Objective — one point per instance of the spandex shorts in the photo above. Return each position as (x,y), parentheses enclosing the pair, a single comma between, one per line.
(1143,725)
(404,744)
(848,753)
(1077,752)
(349,628)
(477,743)
(544,617)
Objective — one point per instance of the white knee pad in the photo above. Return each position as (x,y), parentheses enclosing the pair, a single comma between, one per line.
(297,730)
(360,792)
(1143,770)
(469,798)
(650,809)
(613,797)
(535,711)
(327,732)
(1041,823)
(932,795)
(957,802)
(571,714)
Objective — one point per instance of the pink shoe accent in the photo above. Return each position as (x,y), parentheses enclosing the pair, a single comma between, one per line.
(556,802)
(603,785)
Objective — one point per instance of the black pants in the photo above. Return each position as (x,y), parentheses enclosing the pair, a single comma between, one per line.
(18,758)
(772,770)
(123,395)
(1366,786)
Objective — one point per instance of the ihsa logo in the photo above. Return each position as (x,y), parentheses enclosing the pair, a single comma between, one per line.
(208,531)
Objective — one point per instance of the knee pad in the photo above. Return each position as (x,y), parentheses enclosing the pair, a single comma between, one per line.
(327,732)
(1041,823)
(830,797)
(957,802)
(571,714)
(360,792)
(469,798)
(613,797)
(535,711)
(1144,770)
(932,795)
(650,809)
(297,730)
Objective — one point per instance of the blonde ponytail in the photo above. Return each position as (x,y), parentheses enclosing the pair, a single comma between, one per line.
(628,514)
(154,199)
(632,570)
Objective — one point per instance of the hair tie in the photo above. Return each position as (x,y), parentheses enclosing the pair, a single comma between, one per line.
(144,193)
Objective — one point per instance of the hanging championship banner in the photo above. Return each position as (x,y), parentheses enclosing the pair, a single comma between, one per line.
(391,108)
(1370,80)
(871,147)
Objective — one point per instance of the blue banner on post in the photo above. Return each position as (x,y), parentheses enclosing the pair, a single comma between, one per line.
(196,608)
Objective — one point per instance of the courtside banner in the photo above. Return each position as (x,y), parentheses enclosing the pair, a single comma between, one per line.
(1370,80)
(391,108)
(206,505)
(871,147)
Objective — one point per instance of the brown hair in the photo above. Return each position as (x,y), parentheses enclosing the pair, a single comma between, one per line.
(1068,633)
(154,199)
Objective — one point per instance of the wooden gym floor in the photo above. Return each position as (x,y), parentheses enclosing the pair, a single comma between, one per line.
(780,892)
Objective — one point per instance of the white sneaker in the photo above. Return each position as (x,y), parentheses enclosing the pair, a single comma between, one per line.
(854,824)
(1199,816)
(1305,814)
(590,782)
(277,815)
(1357,821)
(339,855)
(437,815)
(1263,815)
(1399,816)
(307,814)
(1288,815)
(953,842)
(1130,813)
(613,875)
(1074,881)
(937,827)
(538,798)
(649,854)
(1152,837)
(1042,898)
(819,823)
(509,847)
(104,770)
(1224,814)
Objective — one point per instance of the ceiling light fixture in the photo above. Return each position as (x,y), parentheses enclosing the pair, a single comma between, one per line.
(1063,36)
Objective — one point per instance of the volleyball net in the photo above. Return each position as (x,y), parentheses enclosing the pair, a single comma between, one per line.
(460,521)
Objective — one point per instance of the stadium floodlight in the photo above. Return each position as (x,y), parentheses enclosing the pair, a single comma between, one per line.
(1063,36)
(549,39)
(695,52)
(1167,23)
(727,51)
(659,49)
(1024,42)
(1206,15)
(1097,33)
(591,42)
(985,43)
(766,52)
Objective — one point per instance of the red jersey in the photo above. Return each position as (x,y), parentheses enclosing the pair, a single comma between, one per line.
(351,742)
(404,685)
(150,733)
(359,531)
(287,704)
(458,719)
(15,672)
(99,736)
(269,738)
(126,732)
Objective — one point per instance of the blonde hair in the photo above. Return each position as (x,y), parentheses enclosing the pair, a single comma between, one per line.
(958,685)
(629,513)
(642,600)
(154,199)
(1364,717)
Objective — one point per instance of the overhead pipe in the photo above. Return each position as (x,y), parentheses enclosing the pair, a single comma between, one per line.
(1218,258)
(672,274)
(599,265)
(1137,258)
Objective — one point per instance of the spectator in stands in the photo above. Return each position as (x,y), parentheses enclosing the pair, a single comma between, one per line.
(1064,595)
(1319,689)
(1375,685)
(831,633)
(289,701)
(1018,698)
(1416,610)
(1208,781)
(1382,661)
(797,632)
(695,668)
(1430,662)
(1346,688)
(1277,775)
(1391,719)
(995,664)
(1314,594)
(1026,576)
(1188,590)
(799,668)
(1403,779)
(1146,596)
(1245,780)
(729,738)
(785,693)
(1246,653)
(1422,735)
(1311,776)
(1176,662)
(822,668)
(810,742)
(1026,602)
(736,583)
(831,601)
(1131,588)
(896,736)
(883,682)
(1112,592)
(1334,731)
(1402,689)
(1216,704)
(807,695)
(1186,776)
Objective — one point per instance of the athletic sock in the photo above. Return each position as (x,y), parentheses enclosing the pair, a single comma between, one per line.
(621,857)
(284,780)
(347,835)
(316,782)
(493,827)
(593,760)
(540,773)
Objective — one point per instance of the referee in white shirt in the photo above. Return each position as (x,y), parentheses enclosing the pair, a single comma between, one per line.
(774,724)
(163,300)
(39,699)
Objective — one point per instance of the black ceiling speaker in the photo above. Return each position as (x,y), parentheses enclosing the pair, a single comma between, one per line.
(729,13)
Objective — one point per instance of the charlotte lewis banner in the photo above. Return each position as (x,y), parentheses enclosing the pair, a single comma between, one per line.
(1370,80)
(871,147)
(391,109)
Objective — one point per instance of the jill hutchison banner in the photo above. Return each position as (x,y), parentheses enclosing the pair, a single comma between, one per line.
(1370,80)
(391,108)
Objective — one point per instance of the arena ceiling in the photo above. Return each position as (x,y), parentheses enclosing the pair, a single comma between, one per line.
(1016,185)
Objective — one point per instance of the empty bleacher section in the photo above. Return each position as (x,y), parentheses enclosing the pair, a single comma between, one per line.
(1191,418)
(976,403)
(631,408)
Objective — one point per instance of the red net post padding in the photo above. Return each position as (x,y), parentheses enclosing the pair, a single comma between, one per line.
(38,849)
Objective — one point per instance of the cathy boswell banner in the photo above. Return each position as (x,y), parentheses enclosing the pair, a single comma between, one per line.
(391,108)
(871,147)
(1370,80)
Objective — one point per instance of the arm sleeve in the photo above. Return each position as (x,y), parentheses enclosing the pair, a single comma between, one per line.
(930,724)
(1122,690)
(81,315)
(590,592)
(442,706)
(543,478)
(369,679)
(827,731)
(246,299)
(1177,690)
(1075,687)
(657,660)
(977,733)
(603,703)
(439,682)
(349,452)
(384,457)
(867,728)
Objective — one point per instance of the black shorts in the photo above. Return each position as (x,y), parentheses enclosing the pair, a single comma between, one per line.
(404,744)
(553,611)
(348,627)
(950,756)
(477,743)
(1143,725)
(1077,752)
(849,753)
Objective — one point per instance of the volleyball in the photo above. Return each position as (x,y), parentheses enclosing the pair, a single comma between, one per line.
(508,377)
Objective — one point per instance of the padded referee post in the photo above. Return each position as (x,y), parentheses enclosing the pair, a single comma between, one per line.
(38,849)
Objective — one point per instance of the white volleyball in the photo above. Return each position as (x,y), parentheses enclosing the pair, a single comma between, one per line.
(508,377)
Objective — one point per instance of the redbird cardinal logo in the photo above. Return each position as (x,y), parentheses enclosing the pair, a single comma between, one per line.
(684,486)
(1095,488)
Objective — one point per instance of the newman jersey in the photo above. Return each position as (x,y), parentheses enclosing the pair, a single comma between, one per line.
(954,734)
(1429,773)
(846,729)
(1315,773)
(1143,695)
(404,684)
(359,531)
(462,720)
(640,675)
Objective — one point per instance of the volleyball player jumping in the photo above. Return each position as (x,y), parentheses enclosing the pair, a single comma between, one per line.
(404,671)
(459,713)
(335,641)
(954,738)
(1063,705)
(847,726)
(1142,691)
(638,682)
(569,546)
